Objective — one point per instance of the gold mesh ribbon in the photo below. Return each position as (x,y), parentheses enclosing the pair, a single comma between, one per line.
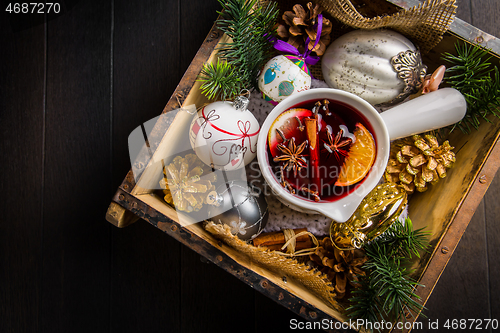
(315,281)
(425,23)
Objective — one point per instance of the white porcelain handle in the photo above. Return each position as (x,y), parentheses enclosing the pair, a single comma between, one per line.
(341,213)
(431,111)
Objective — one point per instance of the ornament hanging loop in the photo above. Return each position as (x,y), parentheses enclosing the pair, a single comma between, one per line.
(245,93)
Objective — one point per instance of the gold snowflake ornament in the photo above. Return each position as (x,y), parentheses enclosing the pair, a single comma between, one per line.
(185,185)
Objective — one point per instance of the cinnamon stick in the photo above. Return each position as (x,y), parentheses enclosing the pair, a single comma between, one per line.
(313,137)
(298,246)
(278,238)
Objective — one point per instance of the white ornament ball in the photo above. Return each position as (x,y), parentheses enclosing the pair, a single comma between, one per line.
(224,136)
(283,76)
(360,62)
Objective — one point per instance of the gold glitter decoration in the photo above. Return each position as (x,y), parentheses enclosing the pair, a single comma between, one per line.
(376,212)
(185,185)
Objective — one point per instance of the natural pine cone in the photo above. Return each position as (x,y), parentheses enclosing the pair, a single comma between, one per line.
(185,185)
(339,266)
(301,25)
(415,161)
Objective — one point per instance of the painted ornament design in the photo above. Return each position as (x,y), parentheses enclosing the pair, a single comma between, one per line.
(270,74)
(283,76)
(286,87)
(223,137)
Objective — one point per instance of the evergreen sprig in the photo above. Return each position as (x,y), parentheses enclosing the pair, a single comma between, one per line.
(248,25)
(365,302)
(220,80)
(387,291)
(389,276)
(401,240)
(471,74)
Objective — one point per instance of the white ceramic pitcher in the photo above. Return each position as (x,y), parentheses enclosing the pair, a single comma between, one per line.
(430,111)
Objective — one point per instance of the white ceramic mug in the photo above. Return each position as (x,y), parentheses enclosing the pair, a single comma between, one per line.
(431,111)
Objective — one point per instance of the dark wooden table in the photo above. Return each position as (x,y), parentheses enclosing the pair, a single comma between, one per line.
(71,91)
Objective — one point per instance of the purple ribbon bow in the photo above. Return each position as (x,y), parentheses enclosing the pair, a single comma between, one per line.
(290,49)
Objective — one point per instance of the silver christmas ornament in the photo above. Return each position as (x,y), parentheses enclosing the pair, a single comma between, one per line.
(241,206)
(381,66)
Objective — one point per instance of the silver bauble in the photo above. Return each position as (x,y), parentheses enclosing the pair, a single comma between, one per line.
(380,66)
(241,206)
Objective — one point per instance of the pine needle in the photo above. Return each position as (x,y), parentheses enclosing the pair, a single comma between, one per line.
(387,291)
(365,303)
(247,24)
(471,74)
(220,81)
(389,276)
(403,241)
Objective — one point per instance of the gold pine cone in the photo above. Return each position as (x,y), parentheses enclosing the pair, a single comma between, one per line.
(414,162)
(343,268)
(184,184)
(299,25)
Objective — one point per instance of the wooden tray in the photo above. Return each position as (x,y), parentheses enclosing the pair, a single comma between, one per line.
(445,210)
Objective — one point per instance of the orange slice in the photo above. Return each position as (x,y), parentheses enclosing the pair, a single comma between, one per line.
(287,123)
(360,158)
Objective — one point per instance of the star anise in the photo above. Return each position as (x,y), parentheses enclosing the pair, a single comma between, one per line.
(337,145)
(292,157)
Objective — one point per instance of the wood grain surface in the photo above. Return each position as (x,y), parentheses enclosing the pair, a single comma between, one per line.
(71,91)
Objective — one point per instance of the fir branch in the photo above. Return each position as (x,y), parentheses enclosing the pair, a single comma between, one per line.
(247,24)
(365,303)
(389,276)
(403,241)
(220,81)
(471,74)
(387,291)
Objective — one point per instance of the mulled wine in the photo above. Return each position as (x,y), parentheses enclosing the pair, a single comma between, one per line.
(321,150)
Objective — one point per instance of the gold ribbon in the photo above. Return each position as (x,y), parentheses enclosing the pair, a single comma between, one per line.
(291,241)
